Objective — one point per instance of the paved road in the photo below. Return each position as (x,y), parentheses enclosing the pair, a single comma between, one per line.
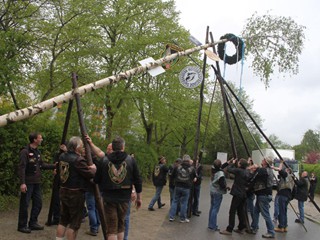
(146,225)
(197,228)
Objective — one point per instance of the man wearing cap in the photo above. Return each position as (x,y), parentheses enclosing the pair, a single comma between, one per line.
(159,179)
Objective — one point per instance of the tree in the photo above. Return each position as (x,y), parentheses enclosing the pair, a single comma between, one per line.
(17,41)
(274,43)
(277,143)
(131,31)
(309,148)
(312,157)
(311,140)
(219,141)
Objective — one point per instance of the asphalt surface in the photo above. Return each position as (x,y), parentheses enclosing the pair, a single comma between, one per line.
(147,225)
(197,228)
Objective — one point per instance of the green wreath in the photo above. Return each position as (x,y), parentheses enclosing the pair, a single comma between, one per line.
(238,43)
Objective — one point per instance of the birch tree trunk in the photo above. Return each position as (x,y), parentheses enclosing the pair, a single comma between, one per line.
(66,97)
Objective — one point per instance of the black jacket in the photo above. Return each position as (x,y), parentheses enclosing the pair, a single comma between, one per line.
(116,175)
(30,165)
(74,171)
(159,176)
(239,187)
(302,189)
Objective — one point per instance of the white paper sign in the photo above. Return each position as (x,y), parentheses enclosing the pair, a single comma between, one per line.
(154,71)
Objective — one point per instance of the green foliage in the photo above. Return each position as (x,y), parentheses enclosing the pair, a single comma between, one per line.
(219,141)
(313,168)
(8,202)
(310,144)
(275,43)
(277,143)
(44,41)
(13,137)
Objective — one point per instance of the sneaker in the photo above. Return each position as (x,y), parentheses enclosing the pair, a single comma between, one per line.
(225,232)
(214,229)
(171,219)
(24,230)
(239,231)
(89,232)
(280,230)
(268,235)
(184,220)
(251,231)
(36,226)
(151,209)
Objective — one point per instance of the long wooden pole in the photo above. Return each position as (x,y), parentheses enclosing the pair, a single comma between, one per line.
(30,111)
(88,154)
(56,179)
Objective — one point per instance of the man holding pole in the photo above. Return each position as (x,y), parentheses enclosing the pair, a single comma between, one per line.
(75,174)
(115,176)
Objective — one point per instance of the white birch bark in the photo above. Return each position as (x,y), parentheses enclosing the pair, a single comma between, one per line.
(67,96)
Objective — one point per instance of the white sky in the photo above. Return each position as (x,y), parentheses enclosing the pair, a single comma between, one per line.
(290,106)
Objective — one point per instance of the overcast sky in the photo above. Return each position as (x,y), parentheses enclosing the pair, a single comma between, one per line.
(291,105)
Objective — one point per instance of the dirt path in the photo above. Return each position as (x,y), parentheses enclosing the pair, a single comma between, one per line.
(143,223)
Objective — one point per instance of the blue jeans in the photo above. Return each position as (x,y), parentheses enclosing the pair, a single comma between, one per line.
(34,193)
(196,197)
(156,197)
(250,203)
(216,199)
(93,215)
(301,210)
(181,195)
(127,222)
(171,191)
(283,207)
(276,207)
(262,206)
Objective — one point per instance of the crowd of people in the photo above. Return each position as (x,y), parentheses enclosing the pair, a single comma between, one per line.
(115,173)
(119,182)
(251,193)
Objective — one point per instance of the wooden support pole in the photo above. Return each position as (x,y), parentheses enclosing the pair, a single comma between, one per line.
(83,130)
(56,179)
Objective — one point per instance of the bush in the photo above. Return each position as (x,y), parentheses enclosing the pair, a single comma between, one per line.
(8,202)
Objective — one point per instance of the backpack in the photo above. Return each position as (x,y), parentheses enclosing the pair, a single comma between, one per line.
(183,174)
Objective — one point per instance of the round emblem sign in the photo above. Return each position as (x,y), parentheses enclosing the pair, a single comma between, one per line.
(191,77)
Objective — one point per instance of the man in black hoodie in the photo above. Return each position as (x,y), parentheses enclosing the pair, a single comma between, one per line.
(303,186)
(239,194)
(184,176)
(159,179)
(115,176)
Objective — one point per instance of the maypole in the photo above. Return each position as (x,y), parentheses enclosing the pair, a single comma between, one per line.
(30,111)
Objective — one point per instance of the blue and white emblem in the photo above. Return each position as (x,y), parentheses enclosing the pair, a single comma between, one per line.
(191,77)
